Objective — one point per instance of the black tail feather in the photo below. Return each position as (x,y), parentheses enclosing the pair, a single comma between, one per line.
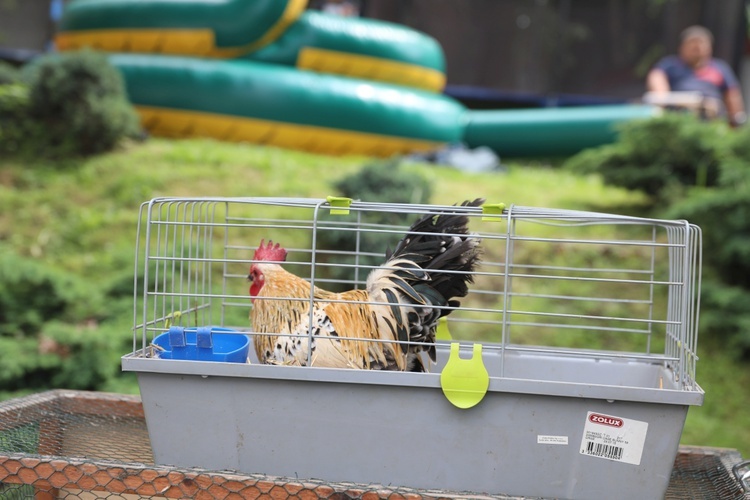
(433,266)
(441,242)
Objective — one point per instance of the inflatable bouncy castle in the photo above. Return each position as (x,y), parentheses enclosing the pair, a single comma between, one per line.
(273,72)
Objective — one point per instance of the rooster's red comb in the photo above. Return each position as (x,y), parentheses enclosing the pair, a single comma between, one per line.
(270,252)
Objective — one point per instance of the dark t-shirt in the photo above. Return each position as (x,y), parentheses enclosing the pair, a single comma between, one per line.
(711,80)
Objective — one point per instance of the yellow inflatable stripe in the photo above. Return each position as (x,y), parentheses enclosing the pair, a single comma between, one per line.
(177,123)
(199,42)
(187,42)
(371,68)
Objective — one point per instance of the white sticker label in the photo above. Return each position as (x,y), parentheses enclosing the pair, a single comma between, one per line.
(613,438)
(540,439)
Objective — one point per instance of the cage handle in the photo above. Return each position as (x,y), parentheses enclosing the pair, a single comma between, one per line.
(464,381)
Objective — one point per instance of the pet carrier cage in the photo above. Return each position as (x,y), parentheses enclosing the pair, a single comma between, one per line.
(567,371)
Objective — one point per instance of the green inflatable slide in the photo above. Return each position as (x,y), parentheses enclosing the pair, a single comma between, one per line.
(273,72)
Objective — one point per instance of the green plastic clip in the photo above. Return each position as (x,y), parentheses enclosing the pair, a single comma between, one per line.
(442,332)
(490,211)
(339,205)
(176,315)
(465,381)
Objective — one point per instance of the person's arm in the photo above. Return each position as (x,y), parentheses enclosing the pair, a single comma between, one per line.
(735,106)
(656,81)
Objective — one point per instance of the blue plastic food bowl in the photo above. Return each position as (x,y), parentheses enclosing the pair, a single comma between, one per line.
(210,343)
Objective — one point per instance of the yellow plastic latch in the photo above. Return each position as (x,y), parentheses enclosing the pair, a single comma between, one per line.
(489,210)
(465,381)
(339,205)
(442,332)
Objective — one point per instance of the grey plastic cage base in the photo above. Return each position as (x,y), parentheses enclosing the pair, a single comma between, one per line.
(92,436)
(398,429)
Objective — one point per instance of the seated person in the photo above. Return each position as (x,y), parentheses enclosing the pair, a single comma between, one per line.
(695,70)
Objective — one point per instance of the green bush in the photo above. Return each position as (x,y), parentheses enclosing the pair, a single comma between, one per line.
(14,102)
(79,100)
(725,319)
(22,366)
(64,355)
(17,128)
(380,181)
(723,213)
(32,294)
(385,181)
(724,216)
(726,252)
(83,355)
(660,156)
(739,143)
(54,330)
(9,74)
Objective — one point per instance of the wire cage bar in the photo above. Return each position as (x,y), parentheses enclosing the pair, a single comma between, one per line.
(555,281)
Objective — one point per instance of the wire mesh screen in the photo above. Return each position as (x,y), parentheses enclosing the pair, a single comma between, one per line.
(553,281)
(80,445)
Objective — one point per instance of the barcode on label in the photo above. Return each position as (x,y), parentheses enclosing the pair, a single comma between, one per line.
(603,450)
(612,437)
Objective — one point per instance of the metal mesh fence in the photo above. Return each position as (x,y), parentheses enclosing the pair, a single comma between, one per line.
(81,445)
(704,474)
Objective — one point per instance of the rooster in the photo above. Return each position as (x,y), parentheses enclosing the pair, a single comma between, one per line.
(384,326)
